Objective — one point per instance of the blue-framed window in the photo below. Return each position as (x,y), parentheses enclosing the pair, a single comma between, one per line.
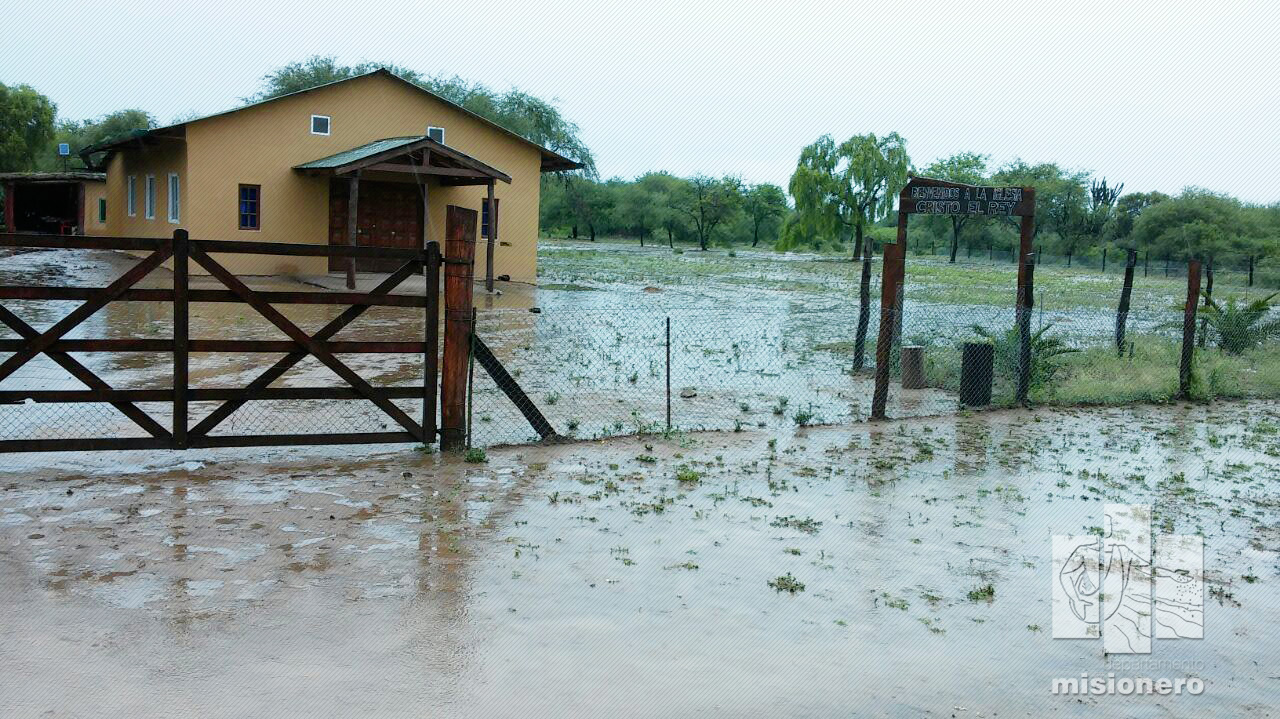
(484,215)
(250,207)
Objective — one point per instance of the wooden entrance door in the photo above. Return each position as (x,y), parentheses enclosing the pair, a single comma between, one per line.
(389,215)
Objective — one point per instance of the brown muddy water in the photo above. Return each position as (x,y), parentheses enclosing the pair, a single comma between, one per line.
(587,579)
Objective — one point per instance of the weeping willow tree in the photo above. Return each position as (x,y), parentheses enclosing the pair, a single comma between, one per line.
(841,190)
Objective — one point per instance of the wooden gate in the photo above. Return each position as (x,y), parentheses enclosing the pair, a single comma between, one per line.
(180,435)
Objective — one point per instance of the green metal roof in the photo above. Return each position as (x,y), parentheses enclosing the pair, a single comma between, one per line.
(356,154)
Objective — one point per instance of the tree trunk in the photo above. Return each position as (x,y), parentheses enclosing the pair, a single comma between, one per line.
(857,243)
(755,235)
(671,240)
(1126,292)
(575,231)
(864,303)
(1068,259)
(1251,259)
(592,228)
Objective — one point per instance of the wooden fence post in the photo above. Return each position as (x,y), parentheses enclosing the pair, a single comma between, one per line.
(1026,297)
(1126,292)
(431,357)
(459,269)
(181,338)
(1189,328)
(891,275)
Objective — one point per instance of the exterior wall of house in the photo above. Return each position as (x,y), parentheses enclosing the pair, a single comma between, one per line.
(151,160)
(259,145)
(93,192)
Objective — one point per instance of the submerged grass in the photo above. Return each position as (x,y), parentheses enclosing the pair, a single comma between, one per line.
(1146,373)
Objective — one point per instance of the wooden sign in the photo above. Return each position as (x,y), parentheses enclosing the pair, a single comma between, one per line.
(923,196)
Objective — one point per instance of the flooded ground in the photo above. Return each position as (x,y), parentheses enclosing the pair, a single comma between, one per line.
(637,576)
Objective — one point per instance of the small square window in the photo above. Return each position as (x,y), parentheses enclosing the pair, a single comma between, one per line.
(250,207)
(319,124)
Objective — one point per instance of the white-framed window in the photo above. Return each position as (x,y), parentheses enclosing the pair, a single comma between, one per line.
(435,133)
(131,186)
(149,198)
(174,214)
(320,124)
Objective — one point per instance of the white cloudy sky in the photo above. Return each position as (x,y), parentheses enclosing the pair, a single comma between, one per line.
(1158,95)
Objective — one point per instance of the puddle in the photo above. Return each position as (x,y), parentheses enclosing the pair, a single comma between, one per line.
(641,576)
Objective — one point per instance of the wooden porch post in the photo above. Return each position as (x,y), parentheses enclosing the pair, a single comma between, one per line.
(9,204)
(79,208)
(493,238)
(353,204)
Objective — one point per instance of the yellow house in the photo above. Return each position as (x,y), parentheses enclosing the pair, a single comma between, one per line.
(286,170)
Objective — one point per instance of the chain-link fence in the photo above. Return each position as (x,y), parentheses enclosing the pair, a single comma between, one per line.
(630,369)
(600,373)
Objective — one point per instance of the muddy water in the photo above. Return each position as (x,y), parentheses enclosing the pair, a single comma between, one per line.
(585,578)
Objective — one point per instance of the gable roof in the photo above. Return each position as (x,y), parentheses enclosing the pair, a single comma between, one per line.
(380,153)
(552,161)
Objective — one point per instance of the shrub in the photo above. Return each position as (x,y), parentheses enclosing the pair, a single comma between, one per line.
(1237,327)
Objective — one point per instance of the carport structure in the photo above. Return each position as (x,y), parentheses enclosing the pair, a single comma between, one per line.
(50,202)
(379,191)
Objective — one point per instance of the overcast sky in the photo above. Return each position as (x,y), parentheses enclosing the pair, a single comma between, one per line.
(1158,95)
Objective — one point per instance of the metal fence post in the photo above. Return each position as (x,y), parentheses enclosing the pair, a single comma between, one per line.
(471,374)
(668,372)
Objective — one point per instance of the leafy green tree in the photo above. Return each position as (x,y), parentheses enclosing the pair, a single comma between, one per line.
(1059,194)
(846,187)
(1197,224)
(589,202)
(1127,211)
(765,206)
(967,167)
(1086,216)
(518,111)
(841,189)
(1260,234)
(26,127)
(708,203)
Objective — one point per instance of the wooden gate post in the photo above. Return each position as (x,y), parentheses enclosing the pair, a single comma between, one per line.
(1189,328)
(459,270)
(891,277)
(430,355)
(181,338)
